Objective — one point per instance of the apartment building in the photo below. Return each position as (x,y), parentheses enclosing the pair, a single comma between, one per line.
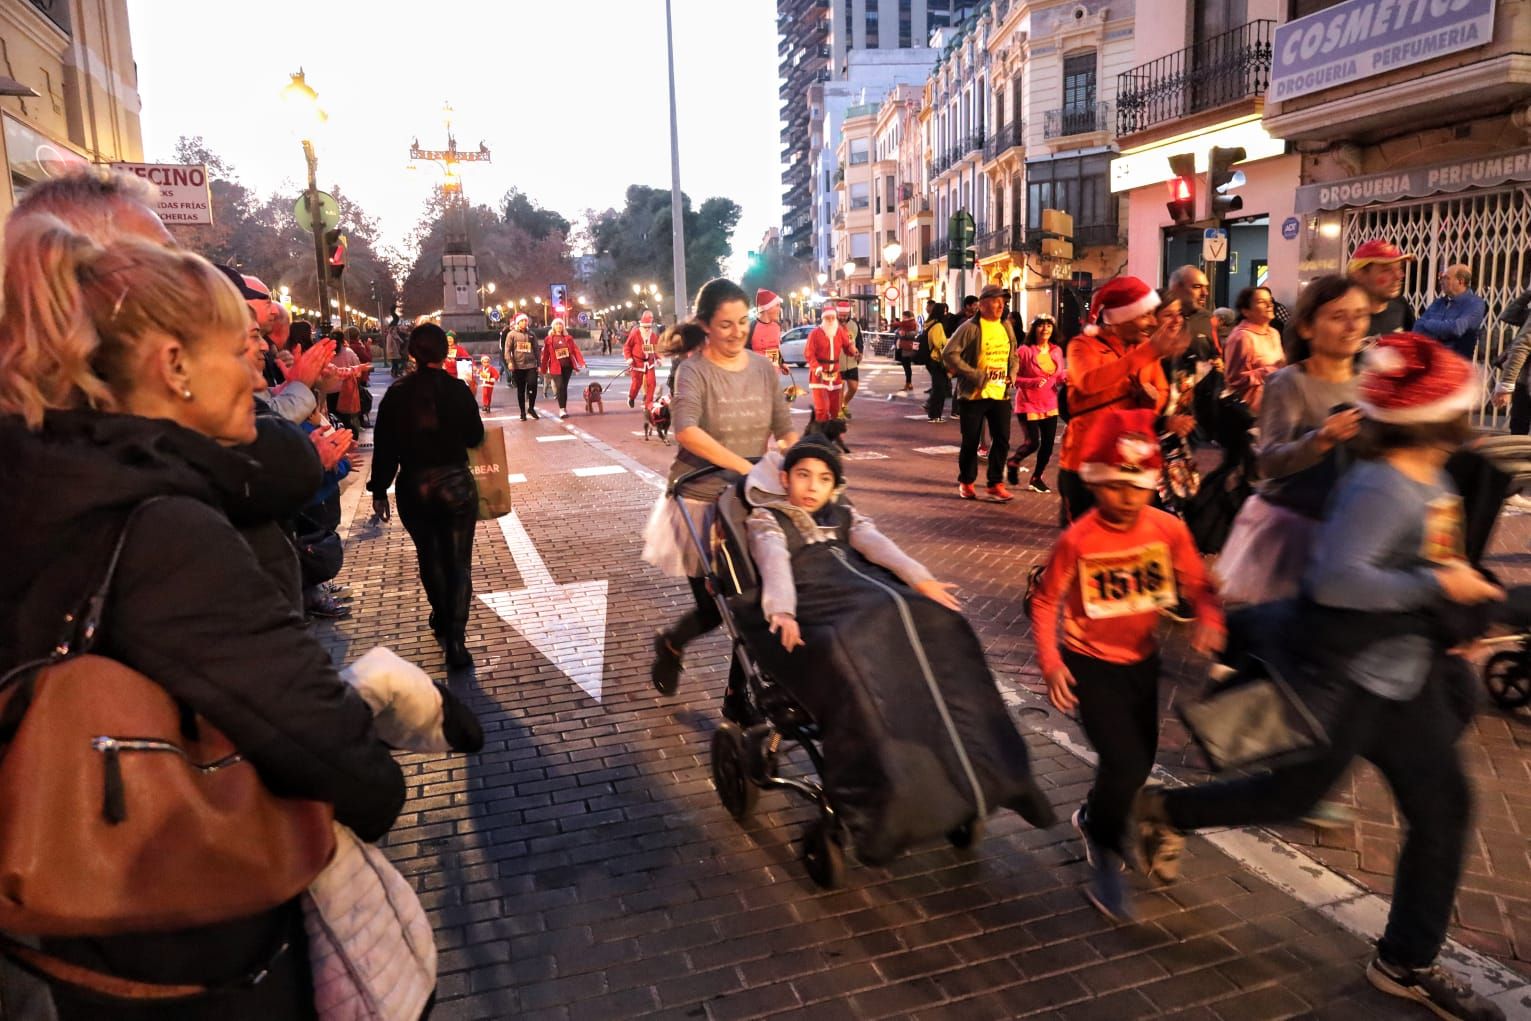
(1418,131)
(857,180)
(1199,82)
(955,135)
(69,89)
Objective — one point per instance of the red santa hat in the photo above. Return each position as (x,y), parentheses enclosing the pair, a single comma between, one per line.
(1118,300)
(766,300)
(1122,446)
(1407,379)
(647,319)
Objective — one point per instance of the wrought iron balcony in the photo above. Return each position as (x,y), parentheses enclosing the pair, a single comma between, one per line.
(1094,235)
(1077,120)
(1224,69)
(974,142)
(1006,239)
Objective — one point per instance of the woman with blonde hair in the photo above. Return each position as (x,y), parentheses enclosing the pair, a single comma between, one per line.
(124,384)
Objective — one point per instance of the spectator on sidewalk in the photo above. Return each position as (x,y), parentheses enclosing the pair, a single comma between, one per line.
(1377,267)
(1456,317)
(930,347)
(156,411)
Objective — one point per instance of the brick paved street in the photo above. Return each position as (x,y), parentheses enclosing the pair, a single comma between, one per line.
(582,867)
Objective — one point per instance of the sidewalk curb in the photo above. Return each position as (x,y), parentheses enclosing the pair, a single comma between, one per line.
(1309,881)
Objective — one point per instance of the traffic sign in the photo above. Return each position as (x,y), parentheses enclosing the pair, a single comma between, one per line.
(891,294)
(329,212)
(494,315)
(584,318)
(1214,245)
(1289,228)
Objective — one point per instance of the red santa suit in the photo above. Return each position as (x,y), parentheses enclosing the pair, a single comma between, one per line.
(487,375)
(825,357)
(642,358)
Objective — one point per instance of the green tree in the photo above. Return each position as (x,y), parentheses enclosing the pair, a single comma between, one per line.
(776,270)
(634,245)
(537,222)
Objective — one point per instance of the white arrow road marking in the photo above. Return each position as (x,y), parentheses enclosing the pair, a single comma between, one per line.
(600,469)
(566,623)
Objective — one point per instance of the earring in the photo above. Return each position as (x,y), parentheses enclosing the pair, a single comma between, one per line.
(185,394)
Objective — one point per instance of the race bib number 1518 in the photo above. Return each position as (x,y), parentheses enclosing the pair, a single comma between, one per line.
(1131,581)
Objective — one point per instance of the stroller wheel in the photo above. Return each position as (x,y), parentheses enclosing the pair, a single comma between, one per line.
(823,856)
(730,772)
(966,835)
(1508,680)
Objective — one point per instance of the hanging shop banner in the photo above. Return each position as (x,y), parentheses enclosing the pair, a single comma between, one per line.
(185,200)
(1359,38)
(1415,183)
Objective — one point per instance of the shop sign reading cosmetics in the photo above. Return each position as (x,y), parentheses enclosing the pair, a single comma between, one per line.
(1357,39)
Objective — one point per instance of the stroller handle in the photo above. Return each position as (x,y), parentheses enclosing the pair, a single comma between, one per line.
(701,473)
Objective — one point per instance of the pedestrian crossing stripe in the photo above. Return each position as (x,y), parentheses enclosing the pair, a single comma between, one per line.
(865,455)
(948,449)
(554,439)
(600,469)
(802,411)
(917,416)
(516,478)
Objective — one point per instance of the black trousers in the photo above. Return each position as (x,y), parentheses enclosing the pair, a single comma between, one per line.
(525,381)
(698,622)
(1119,711)
(940,390)
(1074,497)
(975,414)
(439,509)
(1520,405)
(1037,437)
(561,381)
(907,361)
(1413,745)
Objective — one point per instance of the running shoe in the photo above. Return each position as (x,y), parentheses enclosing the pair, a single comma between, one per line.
(1013,474)
(983,452)
(1094,854)
(999,494)
(1434,987)
(562,413)
(966,491)
(1106,890)
(533,412)
(937,420)
(1038,486)
(632,402)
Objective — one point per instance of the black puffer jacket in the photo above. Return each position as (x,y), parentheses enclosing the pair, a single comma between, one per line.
(192,609)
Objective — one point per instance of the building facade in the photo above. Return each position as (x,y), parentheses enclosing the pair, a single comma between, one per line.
(1420,134)
(1199,81)
(74,95)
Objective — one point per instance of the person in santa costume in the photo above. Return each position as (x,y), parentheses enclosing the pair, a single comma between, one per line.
(487,376)
(825,354)
(561,358)
(1115,364)
(765,331)
(642,354)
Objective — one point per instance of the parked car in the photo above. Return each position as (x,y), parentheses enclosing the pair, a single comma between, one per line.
(793,344)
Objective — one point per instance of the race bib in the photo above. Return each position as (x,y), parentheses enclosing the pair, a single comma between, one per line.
(523,347)
(1120,584)
(1442,542)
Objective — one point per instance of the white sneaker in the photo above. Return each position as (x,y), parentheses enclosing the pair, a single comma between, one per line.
(563,414)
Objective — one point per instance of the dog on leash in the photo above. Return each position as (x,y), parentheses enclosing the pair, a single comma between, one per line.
(593,401)
(658,421)
(833,431)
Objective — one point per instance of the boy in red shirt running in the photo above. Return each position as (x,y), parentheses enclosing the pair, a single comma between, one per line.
(1112,571)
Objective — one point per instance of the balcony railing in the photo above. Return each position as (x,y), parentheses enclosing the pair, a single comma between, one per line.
(1006,239)
(1224,69)
(939,164)
(1090,235)
(974,142)
(931,252)
(1077,120)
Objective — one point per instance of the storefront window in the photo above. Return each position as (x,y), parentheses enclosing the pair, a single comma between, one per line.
(35,157)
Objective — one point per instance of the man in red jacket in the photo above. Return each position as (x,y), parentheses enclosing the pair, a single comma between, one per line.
(825,356)
(642,357)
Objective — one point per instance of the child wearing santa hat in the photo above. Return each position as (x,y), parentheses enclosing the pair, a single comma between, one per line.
(1111,572)
(1386,570)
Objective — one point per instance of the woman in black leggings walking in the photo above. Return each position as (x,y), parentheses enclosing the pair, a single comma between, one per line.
(1038,375)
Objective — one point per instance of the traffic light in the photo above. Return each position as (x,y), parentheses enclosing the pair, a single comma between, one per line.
(335,244)
(560,294)
(1222,179)
(1182,203)
(961,233)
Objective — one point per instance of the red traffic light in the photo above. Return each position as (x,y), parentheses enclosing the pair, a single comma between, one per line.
(1180,189)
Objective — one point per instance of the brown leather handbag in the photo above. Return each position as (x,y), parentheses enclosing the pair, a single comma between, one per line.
(122,811)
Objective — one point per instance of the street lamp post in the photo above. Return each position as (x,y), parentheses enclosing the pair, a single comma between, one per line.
(307,115)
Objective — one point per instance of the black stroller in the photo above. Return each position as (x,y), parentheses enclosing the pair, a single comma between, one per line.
(896,762)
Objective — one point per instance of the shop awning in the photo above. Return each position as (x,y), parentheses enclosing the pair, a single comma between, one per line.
(1415,182)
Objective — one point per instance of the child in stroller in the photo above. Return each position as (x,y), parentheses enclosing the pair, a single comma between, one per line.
(910,750)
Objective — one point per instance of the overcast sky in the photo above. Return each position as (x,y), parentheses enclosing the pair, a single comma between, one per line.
(570,96)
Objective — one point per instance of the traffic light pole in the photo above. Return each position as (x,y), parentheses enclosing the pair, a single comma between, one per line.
(317,228)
